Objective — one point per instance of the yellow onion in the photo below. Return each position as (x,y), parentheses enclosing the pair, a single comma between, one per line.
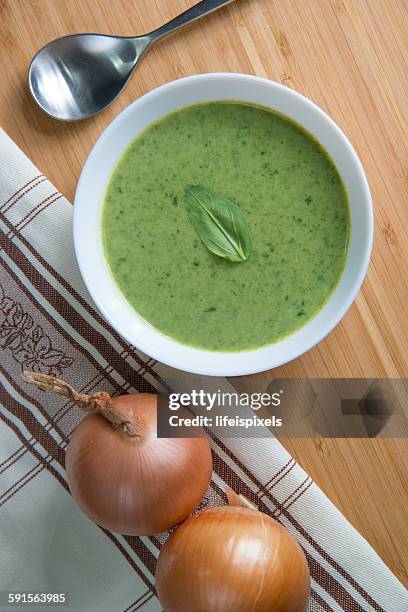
(120,473)
(232,558)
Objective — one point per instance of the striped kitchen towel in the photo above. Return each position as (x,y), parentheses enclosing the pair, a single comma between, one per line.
(48,323)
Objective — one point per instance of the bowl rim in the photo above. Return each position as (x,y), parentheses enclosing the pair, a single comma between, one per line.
(210,366)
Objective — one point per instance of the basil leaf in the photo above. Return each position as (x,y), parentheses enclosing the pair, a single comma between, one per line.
(219,222)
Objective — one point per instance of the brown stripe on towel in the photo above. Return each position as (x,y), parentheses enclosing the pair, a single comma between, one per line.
(4,208)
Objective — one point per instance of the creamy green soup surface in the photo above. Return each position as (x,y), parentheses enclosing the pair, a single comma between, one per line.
(293,199)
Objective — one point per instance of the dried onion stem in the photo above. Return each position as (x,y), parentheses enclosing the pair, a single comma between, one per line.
(100,402)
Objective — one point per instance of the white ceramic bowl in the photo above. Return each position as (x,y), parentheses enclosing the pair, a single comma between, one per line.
(89,200)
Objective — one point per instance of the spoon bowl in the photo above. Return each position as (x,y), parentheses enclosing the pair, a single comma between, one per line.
(77,76)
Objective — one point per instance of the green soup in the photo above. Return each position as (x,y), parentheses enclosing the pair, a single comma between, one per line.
(293,199)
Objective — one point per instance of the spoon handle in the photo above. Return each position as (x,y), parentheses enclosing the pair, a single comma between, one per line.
(192,14)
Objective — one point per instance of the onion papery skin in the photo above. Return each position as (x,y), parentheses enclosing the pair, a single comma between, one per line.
(136,485)
(232,559)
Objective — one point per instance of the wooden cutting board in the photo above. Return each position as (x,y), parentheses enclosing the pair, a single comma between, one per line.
(351,58)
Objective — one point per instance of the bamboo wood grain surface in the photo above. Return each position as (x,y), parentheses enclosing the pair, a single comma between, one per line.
(351,58)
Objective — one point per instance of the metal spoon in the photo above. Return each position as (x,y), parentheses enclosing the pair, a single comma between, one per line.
(77,76)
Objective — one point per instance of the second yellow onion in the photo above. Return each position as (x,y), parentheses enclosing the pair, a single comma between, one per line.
(232,558)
